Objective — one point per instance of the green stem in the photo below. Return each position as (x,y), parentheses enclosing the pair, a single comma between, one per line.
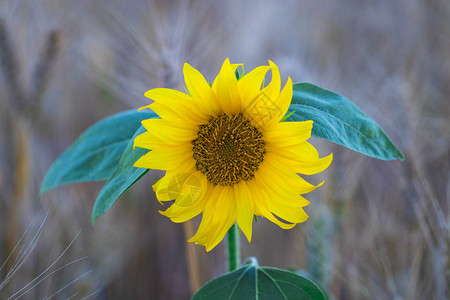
(234,248)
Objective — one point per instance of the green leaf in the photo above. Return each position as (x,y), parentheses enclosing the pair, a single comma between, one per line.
(263,283)
(236,73)
(95,154)
(124,176)
(339,120)
(239,76)
(287,116)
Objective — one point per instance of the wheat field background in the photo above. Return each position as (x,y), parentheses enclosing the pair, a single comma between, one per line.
(377,230)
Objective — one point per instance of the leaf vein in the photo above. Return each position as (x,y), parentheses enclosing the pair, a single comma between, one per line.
(275,282)
(237,283)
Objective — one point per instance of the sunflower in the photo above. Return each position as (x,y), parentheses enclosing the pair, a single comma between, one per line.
(227,155)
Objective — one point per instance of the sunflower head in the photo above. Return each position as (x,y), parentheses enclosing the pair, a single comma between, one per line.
(227,155)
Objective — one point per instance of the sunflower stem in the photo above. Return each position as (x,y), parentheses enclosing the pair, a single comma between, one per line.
(234,248)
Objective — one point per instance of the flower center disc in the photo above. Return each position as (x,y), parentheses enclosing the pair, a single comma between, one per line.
(228,150)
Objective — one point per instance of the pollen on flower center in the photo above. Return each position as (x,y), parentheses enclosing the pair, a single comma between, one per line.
(228,150)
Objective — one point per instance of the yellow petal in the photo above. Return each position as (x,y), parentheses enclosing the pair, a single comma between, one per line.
(261,206)
(163,111)
(290,178)
(148,140)
(196,84)
(226,88)
(190,201)
(250,85)
(276,186)
(179,214)
(297,152)
(193,189)
(265,110)
(289,214)
(202,94)
(273,88)
(267,214)
(283,101)
(307,166)
(207,218)
(224,217)
(164,159)
(163,95)
(173,132)
(287,133)
(169,187)
(172,115)
(219,215)
(274,202)
(180,101)
(245,208)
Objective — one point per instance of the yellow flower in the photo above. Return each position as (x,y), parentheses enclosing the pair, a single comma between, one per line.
(227,155)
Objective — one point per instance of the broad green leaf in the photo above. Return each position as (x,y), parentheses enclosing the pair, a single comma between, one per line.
(124,176)
(340,121)
(262,283)
(95,154)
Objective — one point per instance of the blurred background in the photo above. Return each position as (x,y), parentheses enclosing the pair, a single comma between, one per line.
(377,229)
